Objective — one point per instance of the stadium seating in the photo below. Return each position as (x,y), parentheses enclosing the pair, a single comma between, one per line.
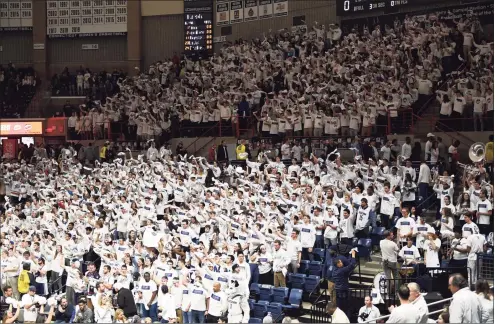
(297,280)
(280,294)
(315,268)
(259,309)
(376,235)
(319,254)
(303,266)
(255,320)
(312,282)
(364,248)
(254,289)
(266,293)
(294,302)
(276,310)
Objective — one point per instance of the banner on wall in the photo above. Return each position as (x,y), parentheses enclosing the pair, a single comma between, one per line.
(223,14)
(280,8)
(56,127)
(250,10)
(265,9)
(19,128)
(9,148)
(479,10)
(236,11)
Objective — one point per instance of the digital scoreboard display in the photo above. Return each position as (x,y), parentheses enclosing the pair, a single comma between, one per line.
(198,28)
(350,7)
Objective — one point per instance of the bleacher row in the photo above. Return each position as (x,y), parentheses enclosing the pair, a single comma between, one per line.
(304,285)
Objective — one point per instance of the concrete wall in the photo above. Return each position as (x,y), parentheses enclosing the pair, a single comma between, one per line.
(17,47)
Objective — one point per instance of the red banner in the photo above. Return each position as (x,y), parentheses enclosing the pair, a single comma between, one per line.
(9,148)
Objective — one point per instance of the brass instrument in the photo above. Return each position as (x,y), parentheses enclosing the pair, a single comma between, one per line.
(476,155)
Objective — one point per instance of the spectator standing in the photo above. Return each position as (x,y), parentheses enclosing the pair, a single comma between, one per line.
(222,154)
(406,312)
(417,299)
(389,251)
(368,312)
(485,296)
(340,277)
(465,306)
(280,262)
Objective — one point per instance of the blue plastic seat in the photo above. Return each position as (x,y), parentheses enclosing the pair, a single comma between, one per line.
(251,303)
(312,282)
(280,294)
(295,299)
(266,292)
(276,310)
(254,288)
(376,235)
(263,302)
(255,320)
(303,266)
(297,280)
(259,310)
(364,248)
(319,254)
(315,268)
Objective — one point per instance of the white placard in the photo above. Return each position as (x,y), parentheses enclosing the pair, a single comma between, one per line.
(265,9)
(280,8)
(250,10)
(89,46)
(38,46)
(16,15)
(219,39)
(79,18)
(223,14)
(236,11)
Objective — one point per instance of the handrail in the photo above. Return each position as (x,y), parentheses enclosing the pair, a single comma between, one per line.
(449,129)
(430,304)
(217,124)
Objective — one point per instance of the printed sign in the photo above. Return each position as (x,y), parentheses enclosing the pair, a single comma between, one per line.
(89,46)
(76,18)
(8,128)
(223,13)
(38,46)
(236,11)
(219,39)
(9,148)
(250,10)
(16,15)
(280,8)
(265,9)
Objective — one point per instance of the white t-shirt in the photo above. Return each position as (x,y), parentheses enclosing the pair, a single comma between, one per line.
(30,314)
(147,288)
(484,206)
(478,103)
(407,313)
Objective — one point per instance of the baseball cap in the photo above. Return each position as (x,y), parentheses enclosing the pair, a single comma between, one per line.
(32,288)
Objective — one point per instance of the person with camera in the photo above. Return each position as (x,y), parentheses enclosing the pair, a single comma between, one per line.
(30,302)
(368,311)
(84,314)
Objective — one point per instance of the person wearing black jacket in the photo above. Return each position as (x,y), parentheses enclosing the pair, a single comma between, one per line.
(65,311)
(125,300)
(222,152)
(340,278)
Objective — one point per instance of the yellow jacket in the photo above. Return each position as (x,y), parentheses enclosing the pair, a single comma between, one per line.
(240,149)
(103,152)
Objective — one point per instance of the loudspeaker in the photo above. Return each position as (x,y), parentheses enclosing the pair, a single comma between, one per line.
(433,297)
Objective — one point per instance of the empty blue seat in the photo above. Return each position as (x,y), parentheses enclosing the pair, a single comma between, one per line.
(376,235)
(297,280)
(266,292)
(251,303)
(303,266)
(259,310)
(295,299)
(355,241)
(364,248)
(254,288)
(319,254)
(312,283)
(315,268)
(255,320)
(263,302)
(280,294)
(276,310)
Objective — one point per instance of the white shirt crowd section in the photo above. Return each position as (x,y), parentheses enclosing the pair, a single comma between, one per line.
(312,79)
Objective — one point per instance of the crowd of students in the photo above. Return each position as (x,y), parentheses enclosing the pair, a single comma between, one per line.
(17,88)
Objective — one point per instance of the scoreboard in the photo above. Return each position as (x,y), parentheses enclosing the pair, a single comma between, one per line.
(350,7)
(198,27)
